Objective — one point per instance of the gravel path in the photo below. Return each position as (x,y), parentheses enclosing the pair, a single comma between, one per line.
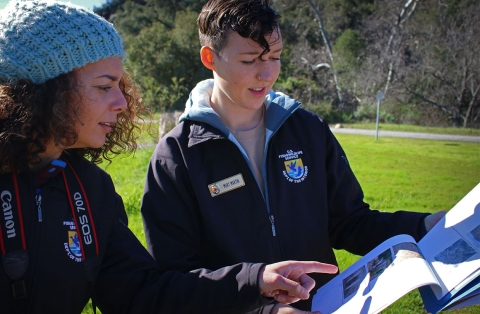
(427,136)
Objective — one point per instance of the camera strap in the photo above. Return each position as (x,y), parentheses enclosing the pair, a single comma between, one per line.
(12,234)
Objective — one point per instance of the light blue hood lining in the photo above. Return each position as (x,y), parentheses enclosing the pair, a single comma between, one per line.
(197,108)
(278,108)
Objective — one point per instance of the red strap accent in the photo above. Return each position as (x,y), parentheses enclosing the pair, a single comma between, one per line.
(20,217)
(74,215)
(88,210)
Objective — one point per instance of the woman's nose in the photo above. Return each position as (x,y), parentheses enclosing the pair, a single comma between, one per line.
(120,102)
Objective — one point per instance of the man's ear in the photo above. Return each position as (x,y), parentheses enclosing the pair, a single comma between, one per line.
(206,54)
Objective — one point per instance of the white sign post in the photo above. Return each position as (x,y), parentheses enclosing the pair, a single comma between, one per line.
(379,97)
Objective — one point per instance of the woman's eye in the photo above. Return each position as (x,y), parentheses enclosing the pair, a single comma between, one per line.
(105,88)
(248,62)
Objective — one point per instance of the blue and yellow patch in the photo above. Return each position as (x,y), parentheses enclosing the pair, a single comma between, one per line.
(74,243)
(294,168)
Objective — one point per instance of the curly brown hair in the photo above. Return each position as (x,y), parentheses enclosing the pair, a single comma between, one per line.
(33,114)
(252,19)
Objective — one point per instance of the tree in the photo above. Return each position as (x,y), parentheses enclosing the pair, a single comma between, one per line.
(448,76)
(162,46)
(337,54)
(328,47)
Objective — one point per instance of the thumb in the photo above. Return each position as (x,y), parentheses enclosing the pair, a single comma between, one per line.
(432,219)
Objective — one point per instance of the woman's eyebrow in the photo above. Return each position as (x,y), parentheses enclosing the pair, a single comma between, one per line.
(111,77)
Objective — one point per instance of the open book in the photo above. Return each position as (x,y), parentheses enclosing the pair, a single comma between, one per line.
(445,265)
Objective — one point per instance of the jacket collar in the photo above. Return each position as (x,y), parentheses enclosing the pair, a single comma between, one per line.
(197,108)
(201,132)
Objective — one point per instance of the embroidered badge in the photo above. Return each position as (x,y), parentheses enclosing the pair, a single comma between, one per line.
(295,171)
(226,185)
(72,246)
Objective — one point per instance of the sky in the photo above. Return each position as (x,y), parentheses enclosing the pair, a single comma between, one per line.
(86,3)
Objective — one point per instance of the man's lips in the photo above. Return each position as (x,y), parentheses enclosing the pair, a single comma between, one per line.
(259,91)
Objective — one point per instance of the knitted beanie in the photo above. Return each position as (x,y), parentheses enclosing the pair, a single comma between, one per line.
(42,39)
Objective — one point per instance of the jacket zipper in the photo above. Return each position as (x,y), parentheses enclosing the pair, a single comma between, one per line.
(38,199)
(272,220)
(267,195)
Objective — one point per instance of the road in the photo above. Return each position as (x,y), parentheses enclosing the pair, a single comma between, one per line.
(426,136)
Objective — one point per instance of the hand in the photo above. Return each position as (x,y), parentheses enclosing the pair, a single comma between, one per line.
(432,219)
(287,309)
(288,282)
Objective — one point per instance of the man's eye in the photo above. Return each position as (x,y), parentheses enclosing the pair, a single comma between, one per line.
(105,88)
(248,62)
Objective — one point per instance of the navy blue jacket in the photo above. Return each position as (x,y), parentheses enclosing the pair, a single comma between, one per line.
(313,202)
(126,280)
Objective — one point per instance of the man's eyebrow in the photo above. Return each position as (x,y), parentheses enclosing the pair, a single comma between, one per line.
(250,53)
(257,52)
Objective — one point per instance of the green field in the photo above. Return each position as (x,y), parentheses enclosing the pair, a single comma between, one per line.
(414,175)
(395,173)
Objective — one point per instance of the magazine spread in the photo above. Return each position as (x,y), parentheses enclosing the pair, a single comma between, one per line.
(445,264)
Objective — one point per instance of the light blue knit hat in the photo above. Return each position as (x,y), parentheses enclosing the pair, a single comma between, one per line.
(41,39)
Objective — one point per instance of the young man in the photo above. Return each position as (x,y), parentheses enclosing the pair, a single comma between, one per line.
(249,176)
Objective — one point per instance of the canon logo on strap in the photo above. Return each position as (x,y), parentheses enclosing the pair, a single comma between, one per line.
(7,213)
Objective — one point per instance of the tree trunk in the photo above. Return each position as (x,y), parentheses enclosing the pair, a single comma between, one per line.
(404,14)
(328,46)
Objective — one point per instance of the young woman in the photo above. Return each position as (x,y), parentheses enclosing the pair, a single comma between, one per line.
(65,104)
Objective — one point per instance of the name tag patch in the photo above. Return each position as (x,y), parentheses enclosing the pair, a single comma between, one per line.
(226,185)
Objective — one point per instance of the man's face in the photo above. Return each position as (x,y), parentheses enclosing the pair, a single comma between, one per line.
(242,79)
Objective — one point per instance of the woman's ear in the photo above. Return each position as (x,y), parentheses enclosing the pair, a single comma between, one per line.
(206,54)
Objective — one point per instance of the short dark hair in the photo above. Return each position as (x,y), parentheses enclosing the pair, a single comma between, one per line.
(252,19)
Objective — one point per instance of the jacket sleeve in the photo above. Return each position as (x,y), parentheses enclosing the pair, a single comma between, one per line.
(170,215)
(353,226)
(170,211)
(129,283)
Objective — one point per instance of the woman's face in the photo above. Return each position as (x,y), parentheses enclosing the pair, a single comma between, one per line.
(101,101)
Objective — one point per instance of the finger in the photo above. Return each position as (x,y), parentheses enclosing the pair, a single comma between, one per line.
(306,282)
(432,219)
(317,267)
(285,299)
(291,287)
(274,276)
(271,294)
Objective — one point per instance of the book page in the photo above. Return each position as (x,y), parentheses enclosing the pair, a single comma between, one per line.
(468,301)
(378,279)
(452,247)
(462,298)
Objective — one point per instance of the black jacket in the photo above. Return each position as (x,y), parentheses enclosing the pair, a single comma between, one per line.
(312,210)
(127,281)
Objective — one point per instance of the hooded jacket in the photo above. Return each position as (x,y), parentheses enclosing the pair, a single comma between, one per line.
(124,279)
(202,206)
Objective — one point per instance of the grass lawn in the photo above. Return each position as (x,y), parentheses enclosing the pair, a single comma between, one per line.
(414,175)
(395,173)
